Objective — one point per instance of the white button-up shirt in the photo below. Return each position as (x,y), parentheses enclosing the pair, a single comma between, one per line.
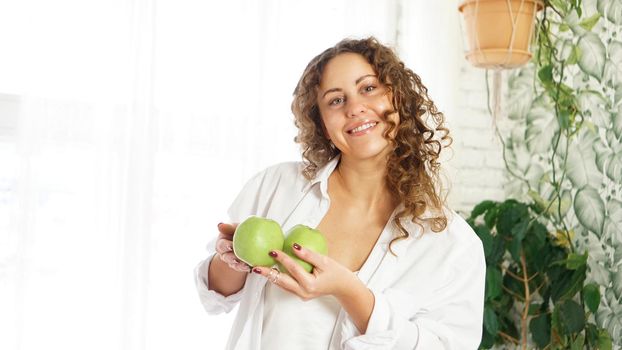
(429,296)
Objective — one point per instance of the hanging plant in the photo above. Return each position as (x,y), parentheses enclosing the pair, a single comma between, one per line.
(499,32)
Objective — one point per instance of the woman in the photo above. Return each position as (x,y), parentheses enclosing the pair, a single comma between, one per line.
(402,270)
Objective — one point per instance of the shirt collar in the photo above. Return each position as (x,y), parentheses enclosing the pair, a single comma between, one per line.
(322,175)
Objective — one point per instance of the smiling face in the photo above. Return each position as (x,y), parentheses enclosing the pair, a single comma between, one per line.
(352,102)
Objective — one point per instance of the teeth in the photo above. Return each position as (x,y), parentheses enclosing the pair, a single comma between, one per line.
(362,127)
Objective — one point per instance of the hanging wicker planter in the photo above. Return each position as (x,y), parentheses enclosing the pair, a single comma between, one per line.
(498,32)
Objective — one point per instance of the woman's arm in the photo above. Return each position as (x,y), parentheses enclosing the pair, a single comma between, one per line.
(449,317)
(358,302)
(223,279)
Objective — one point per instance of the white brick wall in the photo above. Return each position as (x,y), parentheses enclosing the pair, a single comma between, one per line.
(476,169)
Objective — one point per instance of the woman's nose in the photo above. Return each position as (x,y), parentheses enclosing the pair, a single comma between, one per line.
(356,108)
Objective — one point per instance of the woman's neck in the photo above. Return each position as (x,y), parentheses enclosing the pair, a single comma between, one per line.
(363,182)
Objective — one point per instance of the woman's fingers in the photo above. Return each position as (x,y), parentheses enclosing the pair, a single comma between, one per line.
(227,229)
(281,279)
(313,258)
(234,263)
(224,245)
(295,270)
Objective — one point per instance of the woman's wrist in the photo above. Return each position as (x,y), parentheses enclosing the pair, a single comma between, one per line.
(358,301)
(222,278)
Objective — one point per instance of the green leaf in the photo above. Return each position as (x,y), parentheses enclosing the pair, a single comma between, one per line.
(490,320)
(611,9)
(573,58)
(593,55)
(487,239)
(514,246)
(590,209)
(589,22)
(604,340)
(568,284)
(574,261)
(481,208)
(490,218)
(542,204)
(539,233)
(591,334)
(563,208)
(571,317)
(488,340)
(578,343)
(546,75)
(498,249)
(540,328)
(563,27)
(493,282)
(510,213)
(591,296)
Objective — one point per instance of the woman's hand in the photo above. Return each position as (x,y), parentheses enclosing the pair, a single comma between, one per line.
(327,278)
(224,248)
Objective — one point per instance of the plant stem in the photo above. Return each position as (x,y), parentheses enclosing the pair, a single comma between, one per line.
(508,337)
(527,301)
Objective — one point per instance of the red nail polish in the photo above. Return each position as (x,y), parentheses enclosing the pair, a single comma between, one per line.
(256,270)
(297,246)
(273,254)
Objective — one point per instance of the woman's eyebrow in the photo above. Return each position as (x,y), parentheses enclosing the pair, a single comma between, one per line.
(355,83)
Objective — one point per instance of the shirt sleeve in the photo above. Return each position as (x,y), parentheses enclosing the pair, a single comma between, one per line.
(213,302)
(244,205)
(453,320)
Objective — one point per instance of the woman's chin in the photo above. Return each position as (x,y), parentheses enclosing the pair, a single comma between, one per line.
(367,153)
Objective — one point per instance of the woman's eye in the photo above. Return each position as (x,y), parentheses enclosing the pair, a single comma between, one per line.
(370,88)
(336,101)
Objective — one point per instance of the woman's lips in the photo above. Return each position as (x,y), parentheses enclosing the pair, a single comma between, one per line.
(363,129)
(367,128)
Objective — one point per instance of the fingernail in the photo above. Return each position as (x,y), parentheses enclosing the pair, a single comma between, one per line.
(273,254)
(256,270)
(297,246)
(237,261)
(220,223)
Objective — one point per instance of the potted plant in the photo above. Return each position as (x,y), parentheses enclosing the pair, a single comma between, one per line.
(498,32)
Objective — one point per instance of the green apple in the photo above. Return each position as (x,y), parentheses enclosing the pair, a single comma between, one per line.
(307,237)
(254,238)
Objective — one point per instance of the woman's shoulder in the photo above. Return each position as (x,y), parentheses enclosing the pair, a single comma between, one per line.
(456,236)
(281,174)
(459,229)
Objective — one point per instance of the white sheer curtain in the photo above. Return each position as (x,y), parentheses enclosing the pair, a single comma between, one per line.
(126,129)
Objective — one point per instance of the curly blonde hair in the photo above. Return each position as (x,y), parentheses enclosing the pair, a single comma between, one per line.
(412,167)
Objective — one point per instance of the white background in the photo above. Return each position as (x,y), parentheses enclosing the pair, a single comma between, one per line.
(127,128)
